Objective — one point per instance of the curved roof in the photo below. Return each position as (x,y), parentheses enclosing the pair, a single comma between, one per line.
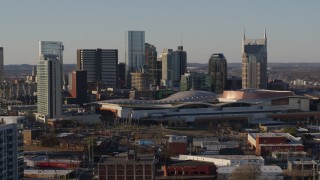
(185,96)
(192,96)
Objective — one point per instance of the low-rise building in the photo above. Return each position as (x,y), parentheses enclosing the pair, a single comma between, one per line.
(226,160)
(190,168)
(126,167)
(266,143)
(266,172)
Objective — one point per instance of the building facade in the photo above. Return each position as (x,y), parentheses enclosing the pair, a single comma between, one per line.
(134,52)
(49,92)
(79,86)
(122,75)
(151,64)
(11,148)
(174,64)
(218,72)
(140,81)
(254,63)
(1,64)
(101,65)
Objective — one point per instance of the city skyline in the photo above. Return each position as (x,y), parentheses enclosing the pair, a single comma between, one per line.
(202,28)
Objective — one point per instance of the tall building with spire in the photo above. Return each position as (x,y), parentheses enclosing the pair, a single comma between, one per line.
(254,63)
(1,64)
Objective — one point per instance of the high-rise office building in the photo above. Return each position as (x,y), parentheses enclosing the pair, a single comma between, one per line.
(166,59)
(49,86)
(218,72)
(254,63)
(11,148)
(1,64)
(101,65)
(53,48)
(179,65)
(121,75)
(195,81)
(79,86)
(134,52)
(174,64)
(151,64)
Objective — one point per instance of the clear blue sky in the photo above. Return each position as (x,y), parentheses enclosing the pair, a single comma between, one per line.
(206,27)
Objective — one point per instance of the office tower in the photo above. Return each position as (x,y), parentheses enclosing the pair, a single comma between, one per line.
(174,64)
(49,86)
(121,75)
(179,64)
(254,63)
(52,48)
(79,86)
(218,72)
(101,65)
(1,64)
(151,64)
(195,81)
(166,60)
(134,52)
(11,147)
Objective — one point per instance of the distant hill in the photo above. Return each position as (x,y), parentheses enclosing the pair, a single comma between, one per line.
(21,70)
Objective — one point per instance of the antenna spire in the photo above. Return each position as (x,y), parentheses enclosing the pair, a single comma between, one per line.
(265,33)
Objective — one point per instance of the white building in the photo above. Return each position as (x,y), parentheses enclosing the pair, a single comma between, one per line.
(226,160)
(266,172)
(49,87)
(11,148)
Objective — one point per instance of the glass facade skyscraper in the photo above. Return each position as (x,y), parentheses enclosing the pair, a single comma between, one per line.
(134,52)
(218,72)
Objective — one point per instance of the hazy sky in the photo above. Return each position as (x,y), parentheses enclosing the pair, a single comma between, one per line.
(205,27)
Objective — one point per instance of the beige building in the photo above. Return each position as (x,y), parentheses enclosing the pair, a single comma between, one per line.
(254,63)
(139,81)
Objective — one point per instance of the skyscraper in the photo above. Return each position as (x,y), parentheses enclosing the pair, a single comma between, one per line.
(53,48)
(101,65)
(218,72)
(134,52)
(1,64)
(49,86)
(179,65)
(254,63)
(151,63)
(11,147)
(174,64)
(79,86)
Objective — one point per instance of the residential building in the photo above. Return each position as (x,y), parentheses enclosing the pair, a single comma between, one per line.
(218,72)
(11,148)
(101,66)
(254,63)
(134,52)
(49,87)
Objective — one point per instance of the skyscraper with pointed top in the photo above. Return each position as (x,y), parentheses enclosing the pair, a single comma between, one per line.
(254,63)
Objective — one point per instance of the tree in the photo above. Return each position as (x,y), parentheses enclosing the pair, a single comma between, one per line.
(246,172)
(291,130)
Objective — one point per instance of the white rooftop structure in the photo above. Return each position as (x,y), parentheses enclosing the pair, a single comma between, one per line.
(266,172)
(226,160)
